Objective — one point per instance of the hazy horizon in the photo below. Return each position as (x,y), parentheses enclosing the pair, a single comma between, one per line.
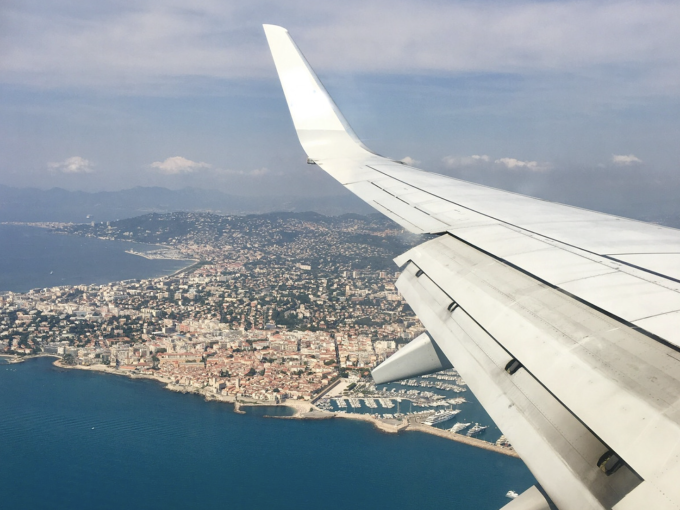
(113,95)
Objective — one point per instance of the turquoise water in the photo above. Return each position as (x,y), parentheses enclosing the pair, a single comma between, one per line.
(80,440)
(35,258)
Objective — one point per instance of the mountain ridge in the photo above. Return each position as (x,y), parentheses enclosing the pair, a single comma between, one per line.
(58,204)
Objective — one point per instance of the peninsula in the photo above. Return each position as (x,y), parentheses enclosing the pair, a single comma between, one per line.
(287,309)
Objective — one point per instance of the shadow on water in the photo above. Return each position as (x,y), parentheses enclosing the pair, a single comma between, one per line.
(268,410)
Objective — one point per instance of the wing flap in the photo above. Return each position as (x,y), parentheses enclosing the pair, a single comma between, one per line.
(560,451)
(421,356)
(601,372)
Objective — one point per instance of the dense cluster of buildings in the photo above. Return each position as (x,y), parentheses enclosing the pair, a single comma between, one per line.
(279,306)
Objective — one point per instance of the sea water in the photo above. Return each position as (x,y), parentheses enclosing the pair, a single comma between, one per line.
(72,439)
(32,257)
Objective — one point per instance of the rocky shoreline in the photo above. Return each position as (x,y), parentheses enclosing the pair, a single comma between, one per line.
(304,410)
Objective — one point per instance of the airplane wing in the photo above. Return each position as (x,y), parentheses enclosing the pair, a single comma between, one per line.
(565,323)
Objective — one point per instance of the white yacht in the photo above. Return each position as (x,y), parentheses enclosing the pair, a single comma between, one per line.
(458,427)
(476,429)
(441,416)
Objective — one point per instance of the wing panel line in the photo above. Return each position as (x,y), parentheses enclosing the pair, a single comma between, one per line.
(526,229)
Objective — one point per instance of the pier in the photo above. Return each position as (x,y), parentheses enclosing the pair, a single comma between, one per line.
(472,441)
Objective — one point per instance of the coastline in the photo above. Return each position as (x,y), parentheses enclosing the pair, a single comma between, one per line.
(160,261)
(304,410)
(192,263)
(152,256)
(14,358)
(50,225)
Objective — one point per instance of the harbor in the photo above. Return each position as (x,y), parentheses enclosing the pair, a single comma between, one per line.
(438,404)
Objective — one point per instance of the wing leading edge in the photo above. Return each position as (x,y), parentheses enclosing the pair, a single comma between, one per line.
(565,323)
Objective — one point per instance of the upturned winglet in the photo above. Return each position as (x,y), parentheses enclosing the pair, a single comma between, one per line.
(323,131)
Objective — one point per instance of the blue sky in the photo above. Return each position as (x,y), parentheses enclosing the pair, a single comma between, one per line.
(113,94)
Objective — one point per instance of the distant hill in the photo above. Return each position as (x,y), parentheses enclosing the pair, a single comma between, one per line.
(206,228)
(638,193)
(56,204)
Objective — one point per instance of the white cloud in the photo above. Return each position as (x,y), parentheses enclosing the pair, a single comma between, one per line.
(258,172)
(513,163)
(460,161)
(622,159)
(178,165)
(148,43)
(73,165)
(410,161)
(483,159)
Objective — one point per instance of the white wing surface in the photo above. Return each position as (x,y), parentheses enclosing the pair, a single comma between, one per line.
(564,322)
